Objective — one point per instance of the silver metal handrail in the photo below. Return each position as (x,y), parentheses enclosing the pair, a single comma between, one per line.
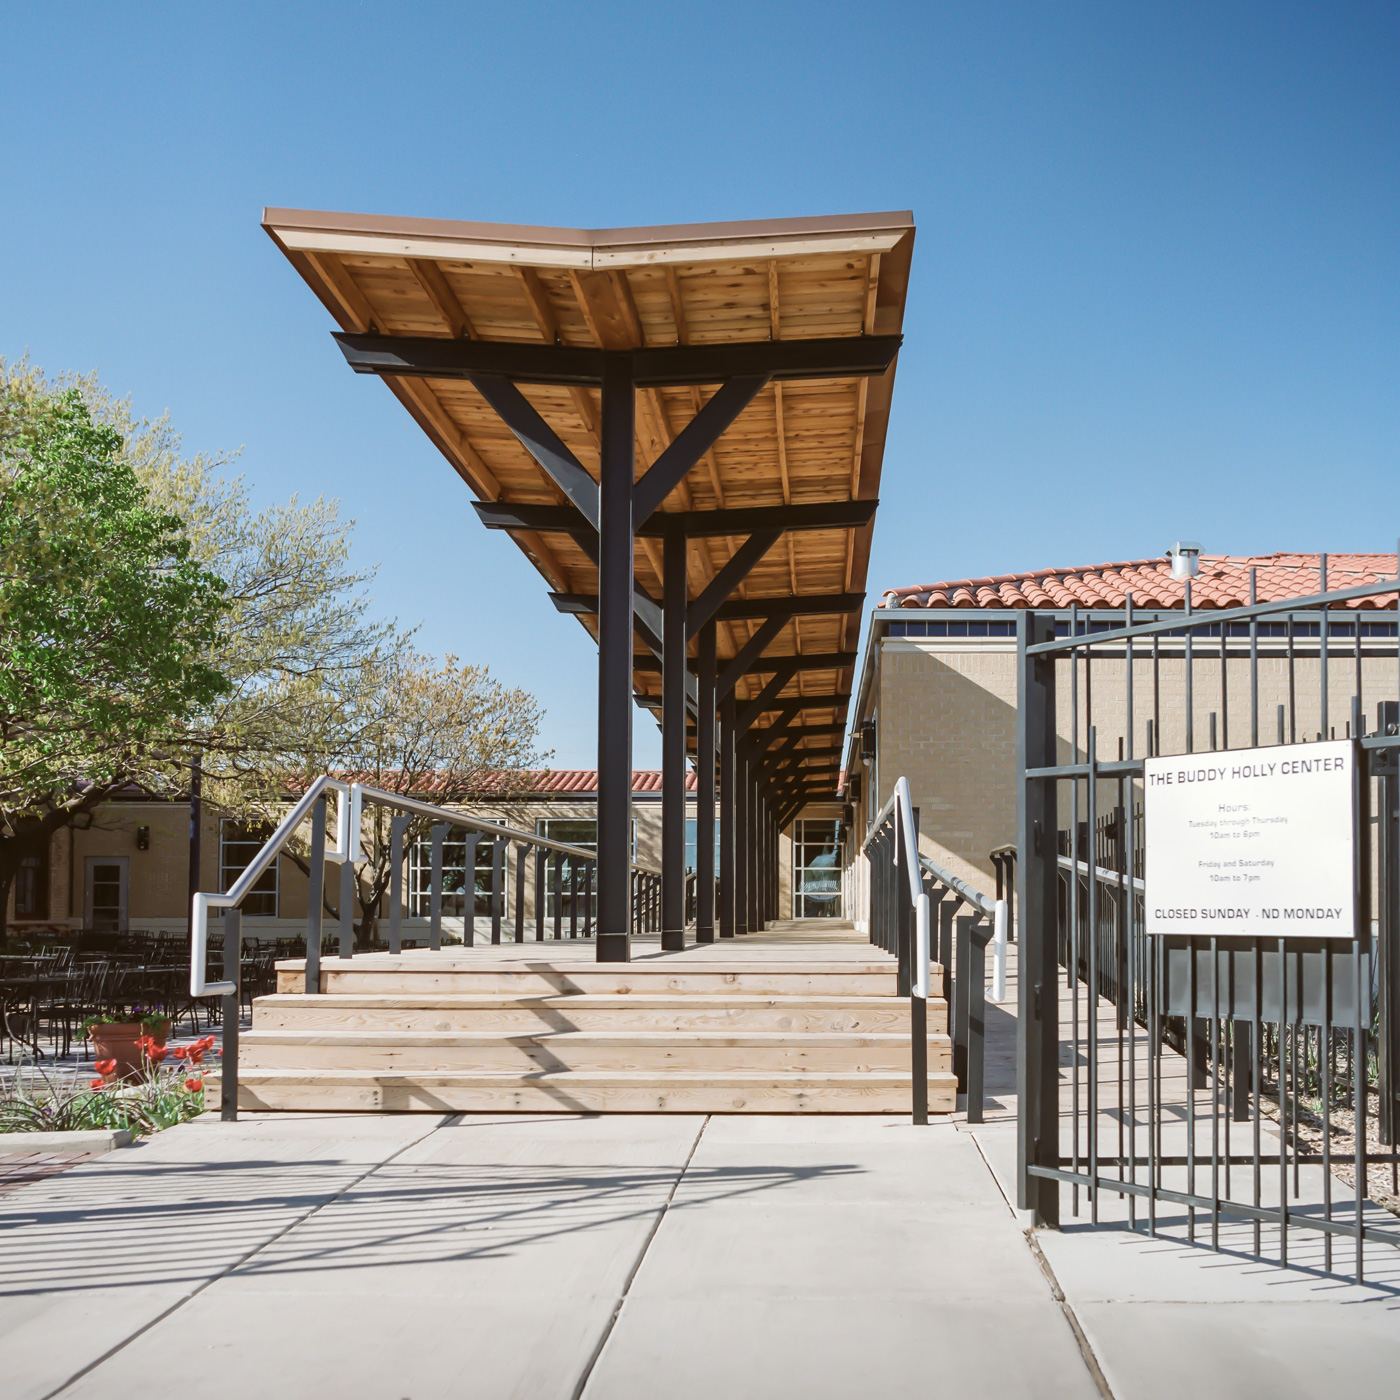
(351,799)
(901,807)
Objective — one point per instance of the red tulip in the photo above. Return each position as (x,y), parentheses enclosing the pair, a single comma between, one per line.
(155,1053)
(105,1066)
(97,1083)
(194,1085)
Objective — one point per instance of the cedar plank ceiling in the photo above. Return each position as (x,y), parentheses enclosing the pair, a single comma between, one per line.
(706,284)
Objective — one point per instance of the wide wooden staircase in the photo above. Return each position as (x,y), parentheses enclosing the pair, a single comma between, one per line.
(543,1028)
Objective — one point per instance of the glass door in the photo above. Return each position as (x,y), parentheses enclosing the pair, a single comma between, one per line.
(106,894)
(816,869)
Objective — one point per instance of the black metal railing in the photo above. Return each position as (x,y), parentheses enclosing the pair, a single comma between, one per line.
(964,923)
(564,878)
(899,922)
(1230,1078)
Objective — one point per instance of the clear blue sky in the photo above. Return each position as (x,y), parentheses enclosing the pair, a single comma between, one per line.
(1154,291)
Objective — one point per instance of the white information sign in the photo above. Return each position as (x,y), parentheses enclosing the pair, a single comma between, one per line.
(1251,841)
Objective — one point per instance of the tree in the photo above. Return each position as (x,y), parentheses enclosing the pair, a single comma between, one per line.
(441,731)
(107,622)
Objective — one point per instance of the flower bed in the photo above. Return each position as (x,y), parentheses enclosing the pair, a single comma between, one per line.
(168,1089)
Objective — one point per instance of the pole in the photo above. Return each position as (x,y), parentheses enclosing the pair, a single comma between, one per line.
(615,546)
(673,676)
(726,816)
(705,791)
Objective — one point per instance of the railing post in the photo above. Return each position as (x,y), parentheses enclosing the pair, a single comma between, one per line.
(397,827)
(521,851)
(588,900)
(573,898)
(439,831)
(228,1060)
(975,998)
(498,888)
(469,846)
(1037,1065)
(557,884)
(347,907)
(316,884)
(541,864)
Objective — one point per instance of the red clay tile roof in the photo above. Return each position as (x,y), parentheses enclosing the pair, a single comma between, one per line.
(1223,582)
(586,780)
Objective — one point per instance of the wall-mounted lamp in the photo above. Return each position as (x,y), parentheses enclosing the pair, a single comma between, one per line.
(143,838)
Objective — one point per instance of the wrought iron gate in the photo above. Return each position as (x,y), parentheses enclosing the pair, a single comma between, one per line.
(1243,1085)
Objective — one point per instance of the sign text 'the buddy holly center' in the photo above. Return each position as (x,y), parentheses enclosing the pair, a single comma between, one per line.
(1252,841)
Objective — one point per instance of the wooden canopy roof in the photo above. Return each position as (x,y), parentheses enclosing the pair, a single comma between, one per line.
(802,441)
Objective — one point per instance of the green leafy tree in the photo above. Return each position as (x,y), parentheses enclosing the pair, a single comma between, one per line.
(108,624)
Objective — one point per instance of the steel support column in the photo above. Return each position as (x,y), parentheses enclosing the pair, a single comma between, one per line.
(673,772)
(742,865)
(705,791)
(727,807)
(1037,1064)
(615,546)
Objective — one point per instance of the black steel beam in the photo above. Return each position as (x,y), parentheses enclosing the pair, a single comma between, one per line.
(802,605)
(692,442)
(782,676)
(806,661)
(696,524)
(733,573)
(747,654)
(541,442)
(432,357)
(726,816)
(740,609)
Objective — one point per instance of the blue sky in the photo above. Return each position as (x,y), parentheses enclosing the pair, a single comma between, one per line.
(1154,292)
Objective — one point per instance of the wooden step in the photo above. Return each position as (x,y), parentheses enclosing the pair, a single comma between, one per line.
(438,973)
(627,1051)
(571,1092)
(585,1011)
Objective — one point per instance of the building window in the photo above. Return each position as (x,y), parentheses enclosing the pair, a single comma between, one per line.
(816,869)
(239,842)
(32,887)
(454,877)
(690,828)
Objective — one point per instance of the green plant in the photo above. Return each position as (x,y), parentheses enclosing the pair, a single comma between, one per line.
(35,1102)
(151,1019)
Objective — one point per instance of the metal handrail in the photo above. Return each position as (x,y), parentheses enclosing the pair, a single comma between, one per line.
(994,909)
(900,801)
(350,804)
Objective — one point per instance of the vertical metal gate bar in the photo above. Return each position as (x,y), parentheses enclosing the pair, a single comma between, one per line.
(1092,1028)
(1191,1068)
(1072,973)
(1323,650)
(1190,676)
(1215,1097)
(1282,1081)
(1325,1070)
(1257,1078)
(1253,661)
(588,900)
(1292,682)
(573,899)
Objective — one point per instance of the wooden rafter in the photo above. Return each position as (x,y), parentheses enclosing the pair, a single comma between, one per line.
(435,286)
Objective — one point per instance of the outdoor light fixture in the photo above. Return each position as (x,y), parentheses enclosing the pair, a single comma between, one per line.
(1186,559)
(143,838)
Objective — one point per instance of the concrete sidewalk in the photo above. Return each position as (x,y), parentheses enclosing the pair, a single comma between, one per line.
(626,1256)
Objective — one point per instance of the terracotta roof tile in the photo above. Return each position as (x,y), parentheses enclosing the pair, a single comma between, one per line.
(1223,582)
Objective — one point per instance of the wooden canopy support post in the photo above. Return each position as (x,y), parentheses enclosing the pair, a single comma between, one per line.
(705,791)
(673,772)
(615,550)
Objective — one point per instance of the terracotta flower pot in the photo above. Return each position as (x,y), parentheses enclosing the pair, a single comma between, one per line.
(158,1031)
(119,1041)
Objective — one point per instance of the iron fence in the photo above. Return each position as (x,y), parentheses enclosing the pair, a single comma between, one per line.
(1234,1081)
